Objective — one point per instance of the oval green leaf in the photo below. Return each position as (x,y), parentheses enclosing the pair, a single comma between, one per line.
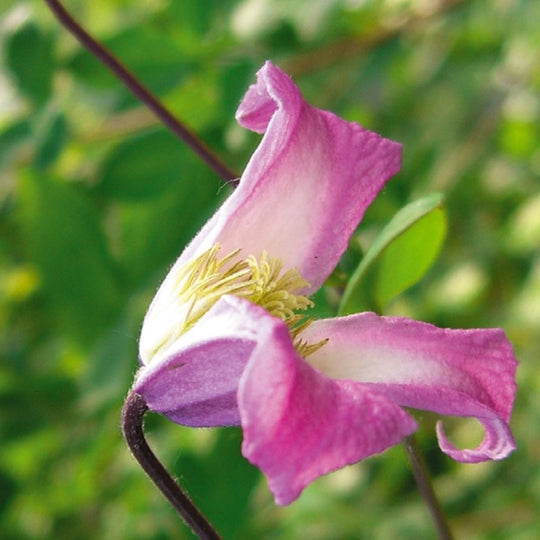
(30,57)
(406,260)
(418,230)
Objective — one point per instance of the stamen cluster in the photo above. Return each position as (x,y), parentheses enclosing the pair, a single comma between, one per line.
(201,282)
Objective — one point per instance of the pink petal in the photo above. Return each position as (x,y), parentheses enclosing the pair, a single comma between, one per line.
(306,187)
(195,381)
(497,444)
(453,372)
(299,425)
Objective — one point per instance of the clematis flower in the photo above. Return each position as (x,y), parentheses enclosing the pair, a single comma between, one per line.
(226,340)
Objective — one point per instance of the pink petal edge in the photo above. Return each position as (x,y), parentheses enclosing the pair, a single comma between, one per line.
(299,425)
(304,190)
(195,381)
(468,373)
(497,444)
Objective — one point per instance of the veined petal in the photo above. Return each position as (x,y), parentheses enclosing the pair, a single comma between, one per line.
(306,187)
(299,424)
(194,382)
(453,372)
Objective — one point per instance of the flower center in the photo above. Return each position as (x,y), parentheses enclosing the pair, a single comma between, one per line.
(201,282)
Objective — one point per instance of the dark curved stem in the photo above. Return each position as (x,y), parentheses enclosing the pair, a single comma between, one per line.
(132,425)
(423,481)
(142,93)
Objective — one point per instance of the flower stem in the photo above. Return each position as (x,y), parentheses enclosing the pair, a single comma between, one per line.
(132,425)
(141,92)
(423,481)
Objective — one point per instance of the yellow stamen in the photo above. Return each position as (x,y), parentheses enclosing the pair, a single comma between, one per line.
(201,282)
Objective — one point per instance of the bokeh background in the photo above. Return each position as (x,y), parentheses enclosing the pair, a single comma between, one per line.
(97,200)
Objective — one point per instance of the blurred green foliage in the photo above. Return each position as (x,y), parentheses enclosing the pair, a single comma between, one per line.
(97,200)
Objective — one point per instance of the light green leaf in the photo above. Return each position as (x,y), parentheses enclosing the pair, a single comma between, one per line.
(410,255)
(404,250)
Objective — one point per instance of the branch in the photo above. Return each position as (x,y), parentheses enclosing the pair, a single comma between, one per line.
(141,92)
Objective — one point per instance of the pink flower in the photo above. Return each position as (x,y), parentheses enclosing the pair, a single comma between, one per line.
(224,341)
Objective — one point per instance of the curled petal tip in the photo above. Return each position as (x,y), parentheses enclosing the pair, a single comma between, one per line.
(498,443)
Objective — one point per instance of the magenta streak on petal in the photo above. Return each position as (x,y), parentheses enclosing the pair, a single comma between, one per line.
(299,424)
(195,382)
(453,372)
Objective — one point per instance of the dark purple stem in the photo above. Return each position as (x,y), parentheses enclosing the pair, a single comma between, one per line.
(421,475)
(142,93)
(132,425)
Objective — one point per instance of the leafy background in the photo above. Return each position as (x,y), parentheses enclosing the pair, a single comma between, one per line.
(97,200)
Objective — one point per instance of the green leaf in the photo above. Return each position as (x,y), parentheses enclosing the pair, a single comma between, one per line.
(30,58)
(50,141)
(404,251)
(144,166)
(64,240)
(405,261)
